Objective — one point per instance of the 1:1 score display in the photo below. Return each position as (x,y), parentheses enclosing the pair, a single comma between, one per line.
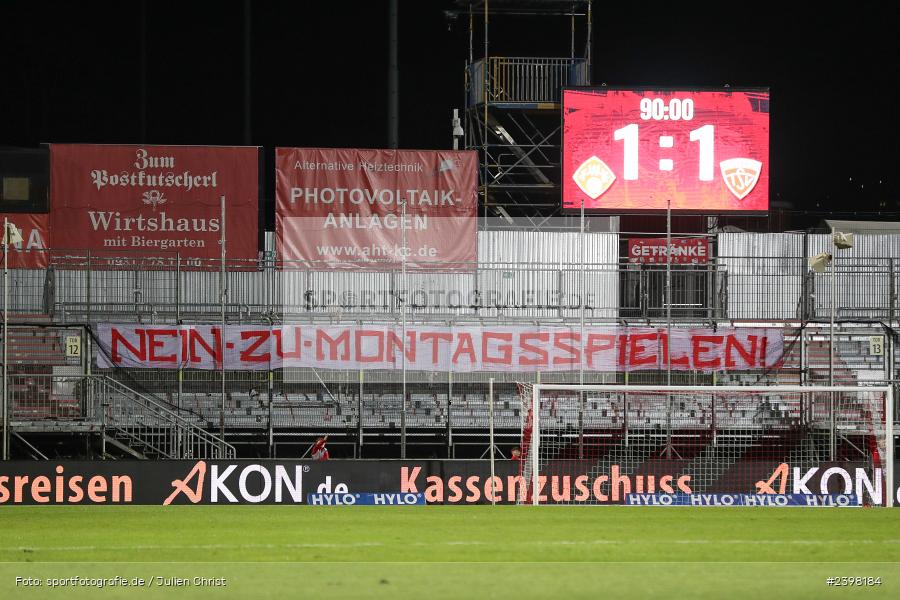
(705,136)
(645,149)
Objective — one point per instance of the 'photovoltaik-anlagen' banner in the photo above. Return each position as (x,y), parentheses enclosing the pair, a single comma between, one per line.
(346,208)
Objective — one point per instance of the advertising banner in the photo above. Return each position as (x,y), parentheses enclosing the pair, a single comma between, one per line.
(155,201)
(250,482)
(685,251)
(32,251)
(437,348)
(630,150)
(403,482)
(823,500)
(349,208)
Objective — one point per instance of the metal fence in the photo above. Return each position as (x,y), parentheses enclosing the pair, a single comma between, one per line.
(35,397)
(748,288)
(519,275)
(768,277)
(756,288)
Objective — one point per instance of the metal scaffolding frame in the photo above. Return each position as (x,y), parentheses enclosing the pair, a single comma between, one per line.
(512,108)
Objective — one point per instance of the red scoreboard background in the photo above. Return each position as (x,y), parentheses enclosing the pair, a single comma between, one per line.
(636,150)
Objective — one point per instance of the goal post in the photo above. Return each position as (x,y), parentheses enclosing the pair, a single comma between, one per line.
(601,444)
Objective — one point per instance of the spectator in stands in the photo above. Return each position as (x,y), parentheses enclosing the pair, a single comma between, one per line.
(254,397)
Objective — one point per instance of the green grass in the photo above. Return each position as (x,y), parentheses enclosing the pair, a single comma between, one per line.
(453,552)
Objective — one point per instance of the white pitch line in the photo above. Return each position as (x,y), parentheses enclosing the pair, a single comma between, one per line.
(185,547)
(424,544)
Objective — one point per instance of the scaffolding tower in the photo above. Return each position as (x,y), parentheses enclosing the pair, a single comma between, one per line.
(512,104)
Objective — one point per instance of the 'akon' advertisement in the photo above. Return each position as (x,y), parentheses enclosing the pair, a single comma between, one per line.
(180,482)
(437,481)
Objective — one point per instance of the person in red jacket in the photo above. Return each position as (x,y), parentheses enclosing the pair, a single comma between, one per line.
(318,450)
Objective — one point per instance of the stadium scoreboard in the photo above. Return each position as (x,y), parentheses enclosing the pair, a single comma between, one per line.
(632,150)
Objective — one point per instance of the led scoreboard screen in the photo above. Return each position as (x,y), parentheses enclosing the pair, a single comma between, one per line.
(636,150)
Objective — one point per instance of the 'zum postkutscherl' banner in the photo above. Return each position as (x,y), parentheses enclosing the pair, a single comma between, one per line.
(437,348)
(155,201)
(350,208)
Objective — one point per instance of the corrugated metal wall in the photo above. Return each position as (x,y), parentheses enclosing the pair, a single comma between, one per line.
(864,277)
(766,273)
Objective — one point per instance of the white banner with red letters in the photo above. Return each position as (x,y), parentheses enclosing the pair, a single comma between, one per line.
(437,348)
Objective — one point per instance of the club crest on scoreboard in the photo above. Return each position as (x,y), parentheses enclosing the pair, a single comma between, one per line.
(594,177)
(740,175)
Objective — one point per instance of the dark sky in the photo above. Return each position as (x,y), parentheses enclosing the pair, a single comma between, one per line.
(71,73)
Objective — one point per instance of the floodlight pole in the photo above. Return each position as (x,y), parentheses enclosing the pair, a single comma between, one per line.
(833,438)
(491,423)
(393,77)
(669,326)
(831,317)
(846,241)
(669,292)
(889,486)
(403,325)
(581,335)
(223,292)
(5,338)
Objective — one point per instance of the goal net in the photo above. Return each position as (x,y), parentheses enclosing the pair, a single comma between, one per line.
(602,444)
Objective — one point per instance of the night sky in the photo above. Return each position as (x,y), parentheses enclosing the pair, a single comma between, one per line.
(71,73)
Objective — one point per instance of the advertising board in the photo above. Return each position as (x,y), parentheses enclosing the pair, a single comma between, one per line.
(349,208)
(632,150)
(155,201)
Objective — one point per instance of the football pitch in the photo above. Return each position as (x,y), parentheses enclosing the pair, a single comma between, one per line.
(446,552)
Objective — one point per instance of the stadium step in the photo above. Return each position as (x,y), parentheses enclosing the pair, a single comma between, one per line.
(123,447)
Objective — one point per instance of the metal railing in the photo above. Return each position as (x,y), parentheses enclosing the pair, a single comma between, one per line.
(61,398)
(134,419)
(152,428)
(523,79)
(89,288)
